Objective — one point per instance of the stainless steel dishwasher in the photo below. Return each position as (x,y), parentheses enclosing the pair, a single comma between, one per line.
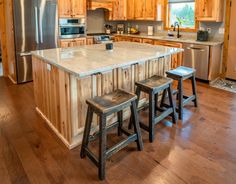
(197,56)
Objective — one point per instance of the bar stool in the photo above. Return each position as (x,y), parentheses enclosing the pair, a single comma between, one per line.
(104,106)
(180,74)
(154,86)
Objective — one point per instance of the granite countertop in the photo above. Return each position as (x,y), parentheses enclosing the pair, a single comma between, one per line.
(90,59)
(184,39)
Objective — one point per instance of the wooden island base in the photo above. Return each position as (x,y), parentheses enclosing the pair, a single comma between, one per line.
(60,96)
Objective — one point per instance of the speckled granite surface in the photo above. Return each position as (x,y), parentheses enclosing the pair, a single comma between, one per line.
(183,39)
(89,59)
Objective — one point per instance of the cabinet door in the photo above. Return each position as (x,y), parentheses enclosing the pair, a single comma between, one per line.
(64,8)
(176,59)
(150,9)
(148,41)
(139,7)
(66,43)
(210,10)
(79,42)
(138,40)
(130,10)
(119,10)
(89,41)
(78,8)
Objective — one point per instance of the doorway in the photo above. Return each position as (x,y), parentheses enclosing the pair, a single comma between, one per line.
(1,68)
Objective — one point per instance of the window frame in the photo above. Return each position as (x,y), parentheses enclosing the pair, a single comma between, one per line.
(167,18)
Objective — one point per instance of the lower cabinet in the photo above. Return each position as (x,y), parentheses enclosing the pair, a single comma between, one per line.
(89,41)
(177,59)
(64,43)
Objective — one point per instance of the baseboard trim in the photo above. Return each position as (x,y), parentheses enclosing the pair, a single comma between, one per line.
(76,141)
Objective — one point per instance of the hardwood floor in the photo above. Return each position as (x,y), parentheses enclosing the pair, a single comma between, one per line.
(201,149)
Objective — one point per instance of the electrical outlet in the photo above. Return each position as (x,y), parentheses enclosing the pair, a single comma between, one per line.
(209,30)
(222,30)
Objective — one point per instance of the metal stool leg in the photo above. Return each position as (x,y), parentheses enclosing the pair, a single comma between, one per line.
(120,120)
(194,90)
(102,147)
(137,130)
(151,117)
(180,92)
(87,129)
(172,104)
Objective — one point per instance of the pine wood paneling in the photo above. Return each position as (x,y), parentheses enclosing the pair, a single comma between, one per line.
(61,98)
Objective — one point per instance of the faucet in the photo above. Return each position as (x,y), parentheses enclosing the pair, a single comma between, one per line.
(174,29)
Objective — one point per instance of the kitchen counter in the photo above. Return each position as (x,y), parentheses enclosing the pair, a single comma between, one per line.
(65,78)
(174,39)
(87,60)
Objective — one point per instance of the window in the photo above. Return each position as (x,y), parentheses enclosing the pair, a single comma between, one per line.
(182,12)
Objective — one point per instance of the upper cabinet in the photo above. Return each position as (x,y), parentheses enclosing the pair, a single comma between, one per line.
(146,10)
(72,8)
(210,10)
(119,10)
(130,9)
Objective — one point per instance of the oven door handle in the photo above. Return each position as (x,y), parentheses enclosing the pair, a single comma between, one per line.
(77,25)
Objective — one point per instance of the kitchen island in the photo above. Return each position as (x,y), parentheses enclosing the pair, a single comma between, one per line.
(65,78)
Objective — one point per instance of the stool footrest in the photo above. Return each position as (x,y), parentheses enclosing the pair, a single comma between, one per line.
(163,115)
(121,145)
(108,129)
(91,156)
(188,99)
(143,126)
(126,132)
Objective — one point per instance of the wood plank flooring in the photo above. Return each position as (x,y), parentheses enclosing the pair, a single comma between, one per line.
(201,149)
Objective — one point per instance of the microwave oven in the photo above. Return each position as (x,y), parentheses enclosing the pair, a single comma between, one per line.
(72,28)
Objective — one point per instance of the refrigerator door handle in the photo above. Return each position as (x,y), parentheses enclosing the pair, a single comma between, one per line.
(41,26)
(25,54)
(36,25)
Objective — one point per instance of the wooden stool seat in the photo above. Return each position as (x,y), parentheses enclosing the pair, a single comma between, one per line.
(154,83)
(181,72)
(112,102)
(153,86)
(104,106)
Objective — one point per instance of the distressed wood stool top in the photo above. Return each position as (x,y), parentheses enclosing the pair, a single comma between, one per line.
(154,82)
(112,102)
(181,72)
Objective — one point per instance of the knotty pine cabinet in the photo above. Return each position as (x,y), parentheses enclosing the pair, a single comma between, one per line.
(64,43)
(176,59)
(119,10)
(72,8)
(146,10)
(210,10)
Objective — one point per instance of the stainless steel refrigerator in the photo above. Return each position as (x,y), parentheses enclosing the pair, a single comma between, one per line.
(35,28)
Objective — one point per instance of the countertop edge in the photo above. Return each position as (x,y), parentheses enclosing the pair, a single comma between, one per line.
(104,69)
(209,43)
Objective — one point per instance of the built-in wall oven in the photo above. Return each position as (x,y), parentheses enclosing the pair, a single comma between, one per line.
(72,28)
